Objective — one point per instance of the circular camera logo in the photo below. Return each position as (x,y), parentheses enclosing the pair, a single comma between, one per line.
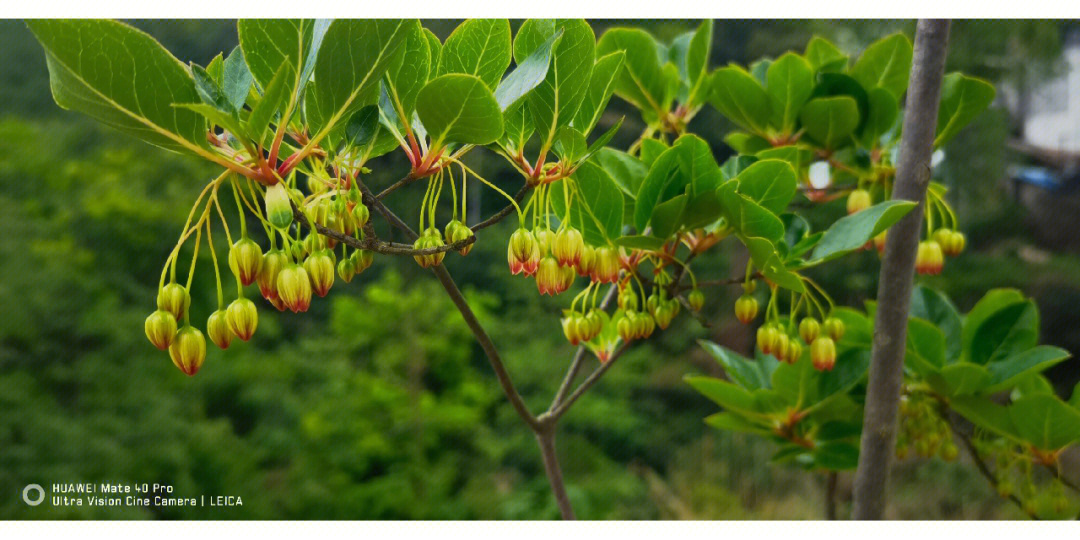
(33,494)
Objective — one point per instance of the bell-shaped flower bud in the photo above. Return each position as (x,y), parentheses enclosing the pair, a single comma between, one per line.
(175,299)
(544,239)
(188,350)
(794,351)
(457,231)
(833,327)
(242,318)
(272,263)
(628,299)
(160,328)
(520,250)
(431,238)
(585,264)
(570,328)
(217,328)
(362,259)
(245,260)
(766,337)
(664,314)
(346,269)
(952,242)
(567,246)
(606,267)
(746,308)
(929,260)
(696,299)
(278,207)
(361,215)
(320,269)
(294,288)
(823,353)
(858,200)
(625,326)
(549,276)
(780,346)
(809,330)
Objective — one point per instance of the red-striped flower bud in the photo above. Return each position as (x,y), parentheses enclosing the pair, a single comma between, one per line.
(544,239)
(188,350)
(628,300)
(625,326)
(809,330)
(766,337)
(294,288)
(570,328)
(952,242)
(245,260)
(929,259)
(823,354)
(552,279)
(346,269)
(794,351)
(587,262)
(431,238)
(218,329)
(746,308)
(362,259)
(320,270)
(606,267)
(696,299)
(457,231)
(567,246)
(272,263)
(175,299)
(278,208)
(858,200)
(780,346)
(833,327)
(360,215)
(242,318)
(160,328)
(520,252)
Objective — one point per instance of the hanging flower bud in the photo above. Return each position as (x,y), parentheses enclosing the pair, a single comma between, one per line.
(858,200)
(245,260)
(606,267)
(809,330)
(549,276)
(929,259)
(272,263)
(587,262)
(457,231)
(823,354)
(780,346)
(294,288)
(544,239)
(625,326)
(664,314)
(833,327)
(652,302)
(346,269)
(566,279)
(242,318)
(175,299)
(628,300)
(954,243)
(218,329)
(278,208)
(431,238)
(766,337)
(644,325)
(361,215)
(188,350)
(316,186)
(879,242)
(696,299)
(362,259)
(160,328)
(567,246)
(320,269)
(794,351)
(746,308)
(570,328)
(520,252)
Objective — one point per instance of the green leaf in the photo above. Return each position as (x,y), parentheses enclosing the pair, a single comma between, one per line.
(645,243)
(236,78)
(1006,372)
(961,378)
(311,54)
(597,208)
(210,91)
(353,59)
(695,65)
(601,141)
(744,371)
(214,69)
(517,123)
(746,143)
(962,99)
(733,422)
(216,116)
(838,85)
(601,86)
(642,81)
(272,100)
(925,346)
(852,232)
(555,101)
(851,367)
(124,78)
(727,395)
(459,108)
(992,302)
(836,456)
(627,171)
(736,164)
(1045,421)
(886,63)
(986,414)
(881,119)
(269,44)
(933,306)
(528,74)
(667,215)
(770,183)
(570,145)
(790,82)
(1013,329)
(367,134)
(830,121)
(689,162)
(740,97)
(651,150)
(748,217)
(824,56)
(859,328)
(478,47)
(408,72)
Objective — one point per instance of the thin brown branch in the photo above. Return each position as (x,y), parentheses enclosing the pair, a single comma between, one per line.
(579,357)
(981,465)
(553,416)
(546,440)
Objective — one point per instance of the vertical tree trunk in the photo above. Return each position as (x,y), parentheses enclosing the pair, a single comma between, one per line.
(897,271)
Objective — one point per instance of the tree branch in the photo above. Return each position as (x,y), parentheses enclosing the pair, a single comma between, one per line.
(546,440)
(579,357)
(553,416)
(981,465)
(897,271)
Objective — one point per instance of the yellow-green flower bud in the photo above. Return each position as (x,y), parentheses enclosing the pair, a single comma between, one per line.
(245,260)
(243,318)
(217,328)
(188,350)
(161,328)
(175,299)
(278,208)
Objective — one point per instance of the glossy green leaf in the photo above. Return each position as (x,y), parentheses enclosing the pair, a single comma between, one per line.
(518,126)
(744,371)
(272,101)
(554,102)
(985,414)
(597,206)
(601,141)
(770,183)
(830,121)
(216,117)
(1011,330)
(641,82)
(992,302)
(851,367)
(408,72)
(925,346)
(528,74)
(746,143)
(695,69)
(367,135)
(122,77)
(645,243)
(886,63)
(824,56)
(480,47)
(601,86)
(627,171)
(749,218)
(352,60)
(961,378)
(733,422)
(882,116)
(236,78)
(1045,421)
(651,149)
(1006,372)
(570,144)
(688,163)
(210,91)
(311,53)
(962,99)
(269,44)
(667,216)
(741,98)
(460,109)
(936,308)
(859,328)
(836,456)
(727,395)
(852,232)
(790,82)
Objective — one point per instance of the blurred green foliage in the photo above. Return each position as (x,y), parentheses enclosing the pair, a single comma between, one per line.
(378,403)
